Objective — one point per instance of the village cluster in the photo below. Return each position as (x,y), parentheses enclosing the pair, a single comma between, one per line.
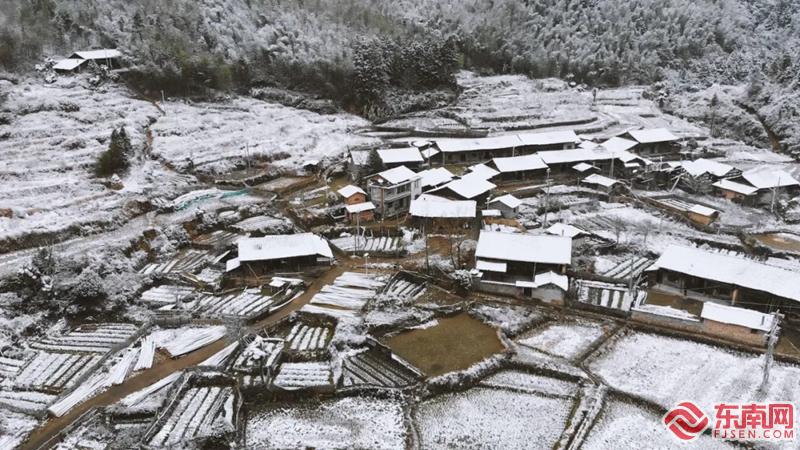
(487,290)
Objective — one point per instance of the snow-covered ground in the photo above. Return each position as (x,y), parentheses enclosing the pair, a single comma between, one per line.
(563,339)
(352,422)
(491,418)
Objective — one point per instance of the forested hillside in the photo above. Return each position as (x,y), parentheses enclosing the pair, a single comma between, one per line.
(323,47)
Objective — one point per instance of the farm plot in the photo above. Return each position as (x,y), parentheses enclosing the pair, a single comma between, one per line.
(259,354)
(491,418)
(264,224)
(96,338)
(217,239)
(249,303)
(351,422)
(10,367)
(148,399)
(369,368)
(308,338)
(17,427)
(565,339)
(667,370)
(26,401)
(166,295)
(381,244)
(200,412)
(403,288)
(185,340)
(293,376)
(622,425)
(350,290)
(626,269)
(188,260)
(55,372)
(531,383)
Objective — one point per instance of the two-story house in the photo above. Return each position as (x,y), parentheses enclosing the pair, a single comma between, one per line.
(392,190)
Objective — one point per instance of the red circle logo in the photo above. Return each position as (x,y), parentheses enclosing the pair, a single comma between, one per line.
(686,421)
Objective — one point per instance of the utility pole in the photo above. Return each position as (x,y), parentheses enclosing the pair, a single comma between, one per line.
(772,340)
(774,195)
(547,197)
(366,263)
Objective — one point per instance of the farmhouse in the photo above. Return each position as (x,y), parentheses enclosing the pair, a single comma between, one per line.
(601,183)
(758,186)
(461,151)
(735,323)
(701,174)
(508,205)
(520,167)
(393,157)
(261,255)
(432,178)
(654,141)
(482,170)
(352,195)
(360,212)
(707,276)
(392,190)
(69,65)
(508,257)
(442,215)
(469,187)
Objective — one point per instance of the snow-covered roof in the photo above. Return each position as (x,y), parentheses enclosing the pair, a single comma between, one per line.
(429,152)
(400,155)
(508,200)
(575,155)
(350,190)
(232,264)
(443,209)
(549,138)
(506,141)
(483,171)
(651,135)
(618,144)
(769,178)
(105,53)
(68,64)
(519,163)
(470,186)
(471,144)
(359,157)
(435,177)
(282,246)
(524,248)
(731,270)
(703,210)
(583,167)
(543,279)
(588,145)
(490,266)
(563,229)
(733,186)
(700,166)
(359,207)
(747,318)
(431,198)
(398,175)
(491,213)
(600,180)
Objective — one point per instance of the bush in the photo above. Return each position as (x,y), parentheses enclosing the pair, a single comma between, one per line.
(115,160)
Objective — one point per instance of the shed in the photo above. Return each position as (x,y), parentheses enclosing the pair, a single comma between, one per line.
(507,204)
(352,194)
(294,251)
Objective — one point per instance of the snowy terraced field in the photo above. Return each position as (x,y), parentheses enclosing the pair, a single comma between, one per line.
(352,422)
(246,304)
(46,169)
(196,414)
(264,224)
(55,372)
(566,340)
(293,376)
(99,338)
(26,401)
(528,382)
(622,425)
(667,370)
(10,367)
(186,261)
(491,418)
(306,338)
(373,369)
(260,353)
(216,135)
(166,294)
(184,340)
(402,288)
(17,426)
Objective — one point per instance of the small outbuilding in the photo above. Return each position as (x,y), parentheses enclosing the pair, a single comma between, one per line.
(508,205)
(360,212)
(291,252)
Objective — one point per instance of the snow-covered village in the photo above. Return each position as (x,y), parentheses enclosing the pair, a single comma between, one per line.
(506,259)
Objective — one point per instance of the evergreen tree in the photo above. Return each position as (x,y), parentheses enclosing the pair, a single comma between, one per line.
(374,162)
(115,160)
